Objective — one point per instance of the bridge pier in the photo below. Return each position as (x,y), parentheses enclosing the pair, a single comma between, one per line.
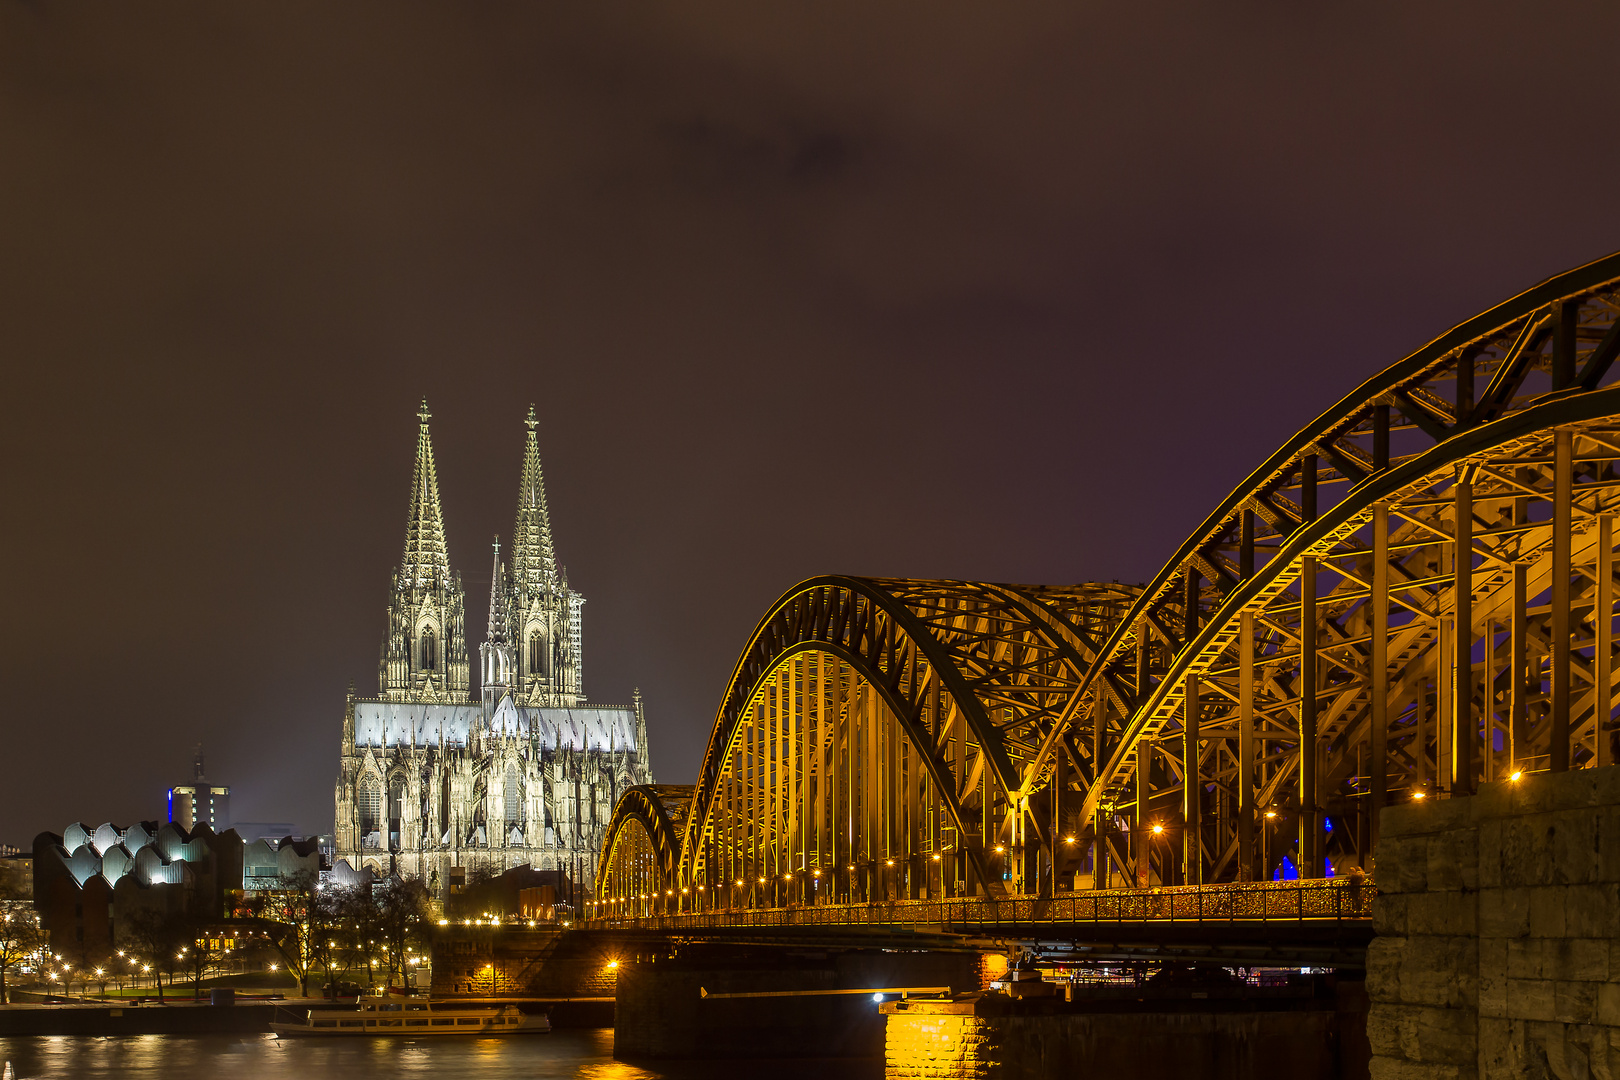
(1497,922)
(787,1003)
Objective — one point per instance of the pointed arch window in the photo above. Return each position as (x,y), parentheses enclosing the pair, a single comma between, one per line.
(369,803)
(430,649)
(514,800)
(537,653)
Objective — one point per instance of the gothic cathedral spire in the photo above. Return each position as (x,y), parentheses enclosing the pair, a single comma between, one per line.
(424,657)
(534,559)
(427,559)
(544,611)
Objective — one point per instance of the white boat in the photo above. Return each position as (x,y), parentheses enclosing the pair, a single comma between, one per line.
(415,1020)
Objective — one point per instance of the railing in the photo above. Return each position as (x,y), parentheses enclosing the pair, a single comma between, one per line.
(1329,900)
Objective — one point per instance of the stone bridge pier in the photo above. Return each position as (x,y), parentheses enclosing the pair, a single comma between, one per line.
(1498,922)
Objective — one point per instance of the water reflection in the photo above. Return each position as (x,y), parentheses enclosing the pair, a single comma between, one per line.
(566,1053)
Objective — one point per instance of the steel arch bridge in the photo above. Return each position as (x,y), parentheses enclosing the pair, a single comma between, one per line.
(1413,595)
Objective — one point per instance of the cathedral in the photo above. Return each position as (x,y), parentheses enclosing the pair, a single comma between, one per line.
(440,783)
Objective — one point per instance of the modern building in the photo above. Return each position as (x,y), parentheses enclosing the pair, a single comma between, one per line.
(89,882)
(200,801)
(438,783)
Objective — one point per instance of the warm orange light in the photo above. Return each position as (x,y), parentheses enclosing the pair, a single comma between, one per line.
(888,862)
(1068,839)
(1515,777)
(1271,813)
(1157,829)
(999,849)
(936,858)
(1417,794)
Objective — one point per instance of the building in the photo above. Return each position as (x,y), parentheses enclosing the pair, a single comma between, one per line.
(436,782)
(200,801)
(88,881)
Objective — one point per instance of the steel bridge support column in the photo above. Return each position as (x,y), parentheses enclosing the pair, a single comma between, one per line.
(1192,791)
(1378,736)
(1144,838)
(1519,677)
(1464,731)
(1562,499)
(1309,829)
(1603,646)
(1246,777)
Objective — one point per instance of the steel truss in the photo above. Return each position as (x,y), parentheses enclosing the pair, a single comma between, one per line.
(1413,595)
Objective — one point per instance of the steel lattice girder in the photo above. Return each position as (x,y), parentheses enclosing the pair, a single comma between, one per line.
(1009,659)
(645,833)
(1398,441)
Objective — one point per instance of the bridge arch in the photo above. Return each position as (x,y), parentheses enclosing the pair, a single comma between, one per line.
(1413,595)
(875,739)
(641,850)
(1338,564)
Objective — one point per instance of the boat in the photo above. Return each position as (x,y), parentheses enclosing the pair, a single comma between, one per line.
(415,1020)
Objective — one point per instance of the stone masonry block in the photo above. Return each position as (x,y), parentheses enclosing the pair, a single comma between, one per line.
(1575,854)
(1492,801)
(1531,999)
(1493,976)
(1441,913)
(1592,911)
(1608,825)
(1541,793)
(1524,958)
(1440,971)
(1526,850)
(1453,860)
(1403,864)
(1385,956)
(1389,913)
(1608,1005)
(1575,959)
(1547,910)
(1420,1033)
(1489,848)
(1504,913)
(1574,1002)
(1383,1068)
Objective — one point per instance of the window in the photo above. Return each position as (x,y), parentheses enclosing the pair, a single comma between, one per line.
(537,653)
(430,653)
(513,800)
(370,805)
(396,803)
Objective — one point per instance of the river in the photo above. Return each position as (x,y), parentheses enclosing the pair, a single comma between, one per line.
(564,1053)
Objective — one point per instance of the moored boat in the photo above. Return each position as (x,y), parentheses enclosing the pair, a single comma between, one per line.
(415,1020)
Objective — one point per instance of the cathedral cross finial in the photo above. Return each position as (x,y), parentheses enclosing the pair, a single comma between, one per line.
(531,421)
(422,414)
(497,545)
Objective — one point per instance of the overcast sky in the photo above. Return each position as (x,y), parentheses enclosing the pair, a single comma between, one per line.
(1008,292)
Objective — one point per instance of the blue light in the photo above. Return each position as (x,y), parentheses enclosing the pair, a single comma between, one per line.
(1287,871)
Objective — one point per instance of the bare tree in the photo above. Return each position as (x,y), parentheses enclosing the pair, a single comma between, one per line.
(20,939)
(160,939)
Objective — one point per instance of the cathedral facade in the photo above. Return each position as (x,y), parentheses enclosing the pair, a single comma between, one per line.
(442,782)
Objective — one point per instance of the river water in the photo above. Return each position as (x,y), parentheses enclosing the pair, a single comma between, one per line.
(564,1053)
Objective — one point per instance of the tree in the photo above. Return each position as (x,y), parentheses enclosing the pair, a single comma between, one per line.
(402,923)
(20,939)
(160,940)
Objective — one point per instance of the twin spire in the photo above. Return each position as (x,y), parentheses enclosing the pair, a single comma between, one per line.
(533,556)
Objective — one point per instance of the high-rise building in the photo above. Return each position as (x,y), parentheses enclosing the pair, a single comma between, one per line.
(200,801)
(432,779)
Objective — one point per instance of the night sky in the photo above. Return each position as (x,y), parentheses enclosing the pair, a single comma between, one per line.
(1002,292)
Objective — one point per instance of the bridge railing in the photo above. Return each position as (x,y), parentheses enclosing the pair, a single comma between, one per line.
(1330,900)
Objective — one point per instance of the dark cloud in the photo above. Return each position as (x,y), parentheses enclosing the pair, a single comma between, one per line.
(913,289)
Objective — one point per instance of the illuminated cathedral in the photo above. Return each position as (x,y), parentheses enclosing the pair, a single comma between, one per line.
(438,783)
